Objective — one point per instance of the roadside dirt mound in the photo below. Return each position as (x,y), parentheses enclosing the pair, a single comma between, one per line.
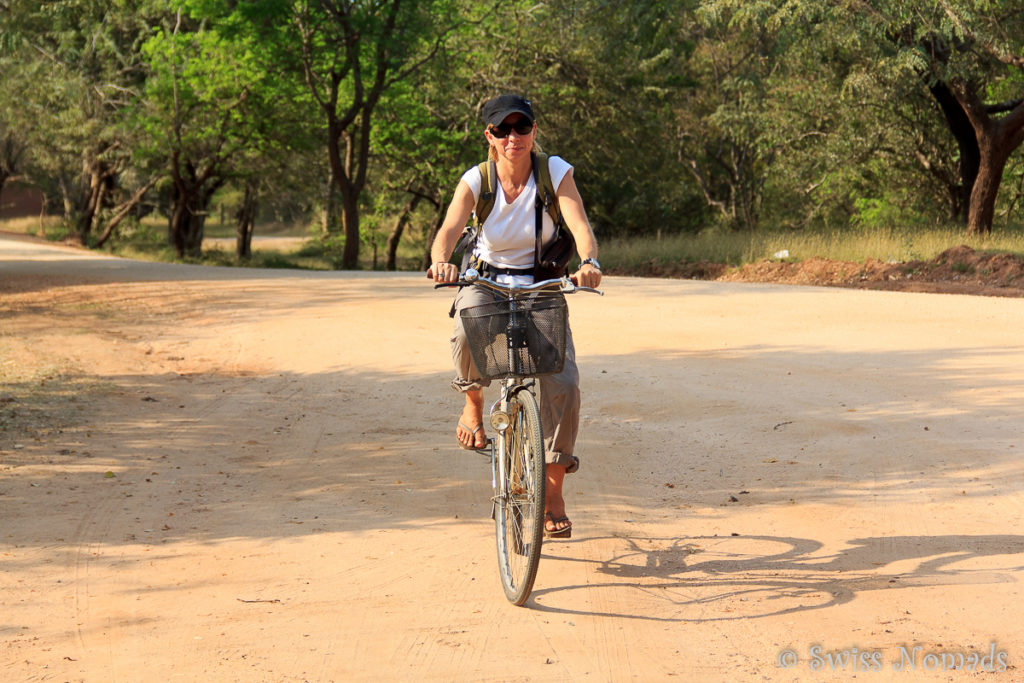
(959,270)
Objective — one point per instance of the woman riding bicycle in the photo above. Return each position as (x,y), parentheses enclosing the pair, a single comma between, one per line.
(505,249)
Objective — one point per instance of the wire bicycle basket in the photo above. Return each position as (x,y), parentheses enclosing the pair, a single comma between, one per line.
(521,337)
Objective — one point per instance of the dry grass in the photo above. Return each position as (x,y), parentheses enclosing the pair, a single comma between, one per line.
(40,226)
(739,248)
(148,242)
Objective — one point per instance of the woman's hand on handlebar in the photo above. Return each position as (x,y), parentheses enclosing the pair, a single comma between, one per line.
(443,272)
(587,276)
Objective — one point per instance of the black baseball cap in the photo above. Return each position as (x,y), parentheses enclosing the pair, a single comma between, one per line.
(495,111)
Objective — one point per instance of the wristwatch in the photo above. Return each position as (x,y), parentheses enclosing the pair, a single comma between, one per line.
(590,261)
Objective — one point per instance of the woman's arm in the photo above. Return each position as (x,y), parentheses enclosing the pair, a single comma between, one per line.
(571,205)
(448,236)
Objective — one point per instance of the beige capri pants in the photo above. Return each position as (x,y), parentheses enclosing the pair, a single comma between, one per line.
(559,394)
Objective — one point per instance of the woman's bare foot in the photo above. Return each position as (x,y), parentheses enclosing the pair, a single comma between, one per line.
(556,522)
(470,431)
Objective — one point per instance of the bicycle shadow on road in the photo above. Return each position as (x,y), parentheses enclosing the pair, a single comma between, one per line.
(727,578)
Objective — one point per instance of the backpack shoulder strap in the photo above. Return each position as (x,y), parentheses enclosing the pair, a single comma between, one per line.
(485,202)
(545,188)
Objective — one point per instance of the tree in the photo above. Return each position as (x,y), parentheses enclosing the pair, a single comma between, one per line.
(211,112)
(350,54)
(723,128)
(964,52)
(16,85)
(426,135)
(86,51)
(347,55)
(968,54)
(835,142)
(13,134)
(605,79)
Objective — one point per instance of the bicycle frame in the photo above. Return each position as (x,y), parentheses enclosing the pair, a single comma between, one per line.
(515,416)
(512,385)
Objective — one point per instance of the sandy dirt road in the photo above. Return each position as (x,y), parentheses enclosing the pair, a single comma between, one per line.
(230,475)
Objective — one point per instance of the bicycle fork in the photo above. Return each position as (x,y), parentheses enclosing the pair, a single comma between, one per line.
(499,447)
(500,420)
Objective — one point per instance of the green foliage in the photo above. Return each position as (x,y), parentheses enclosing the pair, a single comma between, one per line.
(876,213)
(603,78)
(72,70)
(205,98)
(678,115)
(874,122)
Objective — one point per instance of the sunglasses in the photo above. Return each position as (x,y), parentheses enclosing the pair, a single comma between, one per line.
(521,127)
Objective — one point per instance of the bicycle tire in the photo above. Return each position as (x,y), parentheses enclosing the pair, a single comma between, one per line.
(519,518)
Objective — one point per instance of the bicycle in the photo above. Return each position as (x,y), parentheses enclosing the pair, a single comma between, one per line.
(516,339)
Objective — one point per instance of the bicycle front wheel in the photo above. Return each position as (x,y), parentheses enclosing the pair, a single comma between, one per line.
(519,518)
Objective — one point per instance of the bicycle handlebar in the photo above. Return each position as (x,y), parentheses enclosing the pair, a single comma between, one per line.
(472,277)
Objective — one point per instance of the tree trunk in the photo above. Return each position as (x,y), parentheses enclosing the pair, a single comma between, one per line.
(175,224)
(350,223)
(187,222)
(986,186)
(438,222)
(967,143)
(11,153)
(997,139)
(245,220)
(391,256)
(124,210)
(329,211)
(98,182)
(188,216)
(340,169)
(67,204)
(92,201)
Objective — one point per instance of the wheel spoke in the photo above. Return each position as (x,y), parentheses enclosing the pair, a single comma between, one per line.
(520,509)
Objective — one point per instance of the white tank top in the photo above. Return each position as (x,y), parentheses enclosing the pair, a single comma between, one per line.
(507,239)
